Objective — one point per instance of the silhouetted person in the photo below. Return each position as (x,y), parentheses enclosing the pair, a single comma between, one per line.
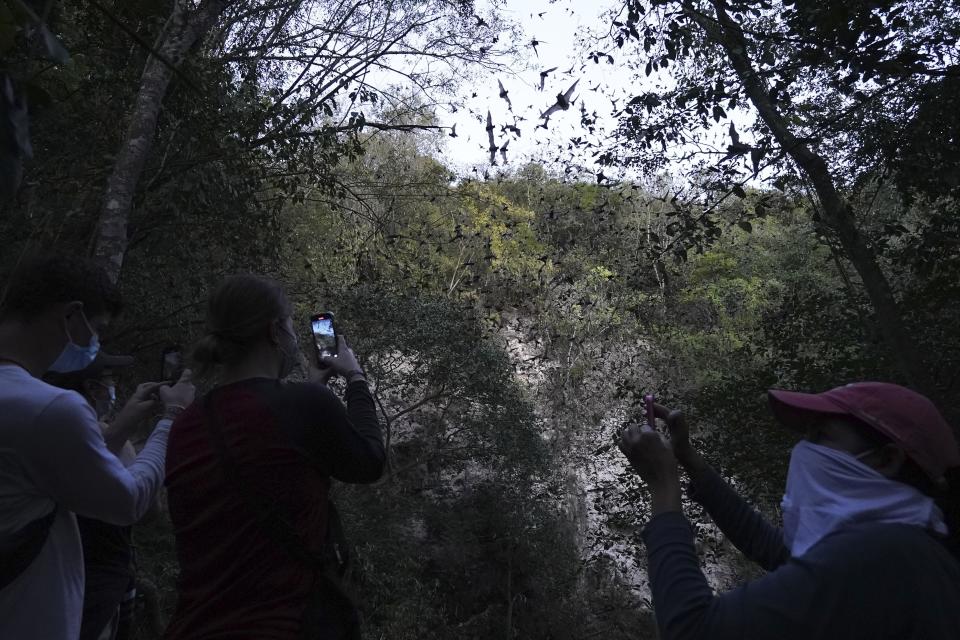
(108,559)
(248,475)
(54,461)
(868,549)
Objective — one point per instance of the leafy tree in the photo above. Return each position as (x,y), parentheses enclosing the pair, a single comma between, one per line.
(809,71)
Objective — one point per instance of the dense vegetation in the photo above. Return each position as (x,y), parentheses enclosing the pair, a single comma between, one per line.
(510,324)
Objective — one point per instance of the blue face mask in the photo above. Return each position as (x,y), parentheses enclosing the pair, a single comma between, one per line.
(74,357)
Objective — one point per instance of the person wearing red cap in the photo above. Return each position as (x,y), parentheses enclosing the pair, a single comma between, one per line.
(870,543)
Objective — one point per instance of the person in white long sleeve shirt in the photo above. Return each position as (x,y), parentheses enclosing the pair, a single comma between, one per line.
(53,457)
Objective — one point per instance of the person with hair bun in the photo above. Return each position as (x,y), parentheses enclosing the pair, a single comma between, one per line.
(869,544)
(248,473)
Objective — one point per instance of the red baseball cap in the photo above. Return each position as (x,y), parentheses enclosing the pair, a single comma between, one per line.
(906,417)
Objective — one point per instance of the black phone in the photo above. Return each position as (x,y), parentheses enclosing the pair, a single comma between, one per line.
(324,335)
(171,365)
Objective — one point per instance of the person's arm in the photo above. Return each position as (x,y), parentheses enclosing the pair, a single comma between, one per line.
(347,439)
(684,603)
(815,596)
(784,604)
(142,404)
(745,527)
(127,456)
(73,466)
(348,442)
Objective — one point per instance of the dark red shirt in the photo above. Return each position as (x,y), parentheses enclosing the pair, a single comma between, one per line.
(287,441)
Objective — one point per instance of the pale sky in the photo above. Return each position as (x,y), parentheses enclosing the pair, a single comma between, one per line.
(563,31)
(557,32)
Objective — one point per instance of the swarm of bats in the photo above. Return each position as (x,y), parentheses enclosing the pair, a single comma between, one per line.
(563,102)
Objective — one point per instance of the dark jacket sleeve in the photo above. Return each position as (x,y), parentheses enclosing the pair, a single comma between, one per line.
(345,441)
(744,526)
(818,596)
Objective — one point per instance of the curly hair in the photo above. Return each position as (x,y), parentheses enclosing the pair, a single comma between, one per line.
(41,282)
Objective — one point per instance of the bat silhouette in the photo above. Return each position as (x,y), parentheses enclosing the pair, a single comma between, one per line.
(504,94)
(512,128)
(564,100)
(535,43)
(493,144)
(544,74)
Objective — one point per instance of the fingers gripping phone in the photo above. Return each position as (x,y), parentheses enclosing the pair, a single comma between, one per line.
(171,365)
(324,336)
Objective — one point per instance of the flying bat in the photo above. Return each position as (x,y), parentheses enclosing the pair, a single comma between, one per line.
(504,94)
(453,131)
(535,43)
(564,100)
(503,151)
(512,128)
(493,145)
(544,74)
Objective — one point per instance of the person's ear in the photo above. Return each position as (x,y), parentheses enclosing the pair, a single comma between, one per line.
(890,461)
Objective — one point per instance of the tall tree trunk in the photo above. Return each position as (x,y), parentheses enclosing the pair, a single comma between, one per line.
(837,213)
(183,29)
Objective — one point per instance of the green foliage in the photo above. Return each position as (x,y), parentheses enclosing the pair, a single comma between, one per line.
(510,326)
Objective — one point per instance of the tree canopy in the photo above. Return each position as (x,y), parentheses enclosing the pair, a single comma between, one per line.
(773,205)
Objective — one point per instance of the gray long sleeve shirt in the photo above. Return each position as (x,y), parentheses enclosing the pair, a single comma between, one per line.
(869,581)
(52,452)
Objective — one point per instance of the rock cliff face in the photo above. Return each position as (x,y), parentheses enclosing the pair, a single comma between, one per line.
(602,500)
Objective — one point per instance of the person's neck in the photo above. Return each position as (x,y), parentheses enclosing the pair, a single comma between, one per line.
(21,344)
(259,364)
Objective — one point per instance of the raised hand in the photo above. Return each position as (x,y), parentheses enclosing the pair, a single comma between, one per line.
(141,405)
(343,364)
(652,457)
(179,395)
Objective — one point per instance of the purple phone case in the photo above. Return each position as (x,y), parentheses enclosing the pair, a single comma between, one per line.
(648,401)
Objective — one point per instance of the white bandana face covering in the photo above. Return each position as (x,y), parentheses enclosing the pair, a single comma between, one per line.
(829,489)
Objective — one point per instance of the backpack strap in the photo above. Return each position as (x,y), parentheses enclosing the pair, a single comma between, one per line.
(26,545)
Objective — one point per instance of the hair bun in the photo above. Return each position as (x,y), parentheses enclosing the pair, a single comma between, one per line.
(208,351)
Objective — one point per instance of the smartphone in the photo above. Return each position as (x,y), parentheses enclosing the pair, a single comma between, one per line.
(171,365)
(648,401)
(324,335)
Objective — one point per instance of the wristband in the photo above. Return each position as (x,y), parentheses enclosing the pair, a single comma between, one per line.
(171,411)
(353,374)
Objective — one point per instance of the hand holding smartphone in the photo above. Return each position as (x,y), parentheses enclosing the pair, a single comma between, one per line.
(329,343)
(324,337)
